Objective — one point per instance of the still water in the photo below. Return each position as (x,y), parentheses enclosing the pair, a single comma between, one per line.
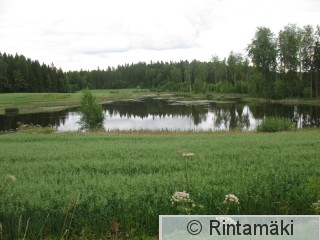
(174,114)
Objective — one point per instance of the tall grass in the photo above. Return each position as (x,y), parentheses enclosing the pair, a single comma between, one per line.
(126,181)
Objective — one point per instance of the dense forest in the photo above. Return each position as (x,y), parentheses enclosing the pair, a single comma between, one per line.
(282,66)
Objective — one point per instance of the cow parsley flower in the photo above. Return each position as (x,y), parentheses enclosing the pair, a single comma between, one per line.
(316,206)
(11,178)
(188,154)
(231,198)
(180,197)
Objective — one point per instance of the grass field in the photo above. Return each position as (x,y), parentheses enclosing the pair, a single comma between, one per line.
(44,102)
(126,181)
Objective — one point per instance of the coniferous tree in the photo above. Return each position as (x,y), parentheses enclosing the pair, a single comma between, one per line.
(295,74)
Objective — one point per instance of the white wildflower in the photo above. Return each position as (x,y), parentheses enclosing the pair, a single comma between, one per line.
(11,178)
(231,198)
(226,220)
(180,197)
(175,178)
(188,154)
(316,206)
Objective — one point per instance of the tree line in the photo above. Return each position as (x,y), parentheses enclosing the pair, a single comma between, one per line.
(19,74)
(279,66)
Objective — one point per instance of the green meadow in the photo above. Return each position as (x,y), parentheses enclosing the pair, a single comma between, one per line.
(44,102)
(104,186)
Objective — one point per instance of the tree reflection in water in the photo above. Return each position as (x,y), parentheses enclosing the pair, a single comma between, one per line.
(157,114)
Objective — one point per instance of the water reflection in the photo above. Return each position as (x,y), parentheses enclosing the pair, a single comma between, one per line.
(233,116)
(159,114)
(44,119)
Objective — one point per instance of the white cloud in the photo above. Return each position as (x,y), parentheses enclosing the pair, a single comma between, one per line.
(76,34)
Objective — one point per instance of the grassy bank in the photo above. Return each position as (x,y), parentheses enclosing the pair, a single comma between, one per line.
(125,181)
(44,102)
(250,99)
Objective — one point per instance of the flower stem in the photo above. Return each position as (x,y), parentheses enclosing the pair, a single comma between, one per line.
(228,207)
(186,174)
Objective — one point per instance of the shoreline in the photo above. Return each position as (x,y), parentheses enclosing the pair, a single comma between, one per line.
(27,103)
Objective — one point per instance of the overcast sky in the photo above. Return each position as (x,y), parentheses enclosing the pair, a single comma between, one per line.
(87,34)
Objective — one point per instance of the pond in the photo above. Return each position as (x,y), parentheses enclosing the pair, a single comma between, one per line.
(174,115)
